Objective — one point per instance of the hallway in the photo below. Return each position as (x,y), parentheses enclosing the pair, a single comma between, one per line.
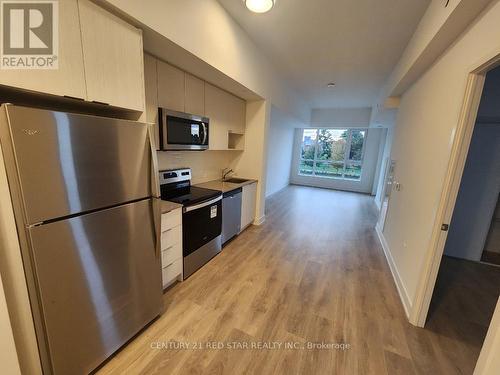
(313,272)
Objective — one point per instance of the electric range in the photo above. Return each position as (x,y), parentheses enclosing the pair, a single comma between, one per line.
(201,217)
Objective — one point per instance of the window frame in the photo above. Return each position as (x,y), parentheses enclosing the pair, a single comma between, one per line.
(347,153)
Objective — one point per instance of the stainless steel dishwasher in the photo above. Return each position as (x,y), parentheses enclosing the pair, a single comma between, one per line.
(231,214)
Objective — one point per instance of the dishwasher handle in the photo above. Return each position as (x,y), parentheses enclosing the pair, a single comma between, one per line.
(232,193)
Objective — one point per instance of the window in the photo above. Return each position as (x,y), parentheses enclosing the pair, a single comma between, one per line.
(332,153)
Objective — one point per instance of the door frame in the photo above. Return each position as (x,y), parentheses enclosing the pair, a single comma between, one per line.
(488,361)
(451,186)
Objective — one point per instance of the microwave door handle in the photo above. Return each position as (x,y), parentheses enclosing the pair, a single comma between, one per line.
(205,133)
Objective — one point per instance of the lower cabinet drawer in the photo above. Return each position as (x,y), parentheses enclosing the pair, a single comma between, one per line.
(171,254)
(171,272)
(171,219)
(171,237)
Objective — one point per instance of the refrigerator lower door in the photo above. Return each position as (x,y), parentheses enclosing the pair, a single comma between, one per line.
(99,283)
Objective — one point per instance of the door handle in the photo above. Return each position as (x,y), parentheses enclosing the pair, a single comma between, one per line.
(201,205)
(157,225)
(205,132)
(155,178)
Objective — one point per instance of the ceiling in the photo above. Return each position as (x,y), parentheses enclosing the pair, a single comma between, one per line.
(354,43)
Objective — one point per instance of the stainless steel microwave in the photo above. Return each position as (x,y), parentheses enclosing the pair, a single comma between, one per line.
(182,131)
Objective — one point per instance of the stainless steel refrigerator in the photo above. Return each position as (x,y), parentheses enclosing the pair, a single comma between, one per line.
(85,195)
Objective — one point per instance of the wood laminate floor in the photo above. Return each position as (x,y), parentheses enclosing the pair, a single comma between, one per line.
(313,273)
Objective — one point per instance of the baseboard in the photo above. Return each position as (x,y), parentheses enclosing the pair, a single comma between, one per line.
(260,220)
(403,294)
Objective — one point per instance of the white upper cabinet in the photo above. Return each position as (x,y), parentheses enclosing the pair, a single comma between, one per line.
(69,78)
(216,111)
(236,114)
(113,58)
(227,115)
(195,95)
(179,91)
(171,87)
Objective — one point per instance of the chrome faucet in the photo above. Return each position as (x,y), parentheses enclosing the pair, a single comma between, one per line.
(226,172)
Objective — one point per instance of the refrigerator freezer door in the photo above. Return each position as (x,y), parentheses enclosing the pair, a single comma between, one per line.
(70,163)
(99,282)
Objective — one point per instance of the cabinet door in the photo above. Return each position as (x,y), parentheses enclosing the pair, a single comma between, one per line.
(171,87)
(226,113)
(151,89)
(113,58)
(195,95)
(69,78)
(248,201)
(216,110)
(236,113)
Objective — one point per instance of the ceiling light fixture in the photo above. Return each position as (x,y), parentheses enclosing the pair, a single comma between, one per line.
(330,85)
(259,6)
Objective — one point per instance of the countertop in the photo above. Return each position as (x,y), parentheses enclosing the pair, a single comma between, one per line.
(224,186)
(167,206)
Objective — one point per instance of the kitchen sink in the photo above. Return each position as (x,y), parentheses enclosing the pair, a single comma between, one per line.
(236,180)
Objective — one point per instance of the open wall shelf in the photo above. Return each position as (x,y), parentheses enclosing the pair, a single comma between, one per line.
(236,141)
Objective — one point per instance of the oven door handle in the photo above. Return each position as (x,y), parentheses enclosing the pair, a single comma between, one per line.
(201,205)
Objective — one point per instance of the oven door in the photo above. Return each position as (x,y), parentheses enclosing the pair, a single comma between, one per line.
(201,223)
(182,131)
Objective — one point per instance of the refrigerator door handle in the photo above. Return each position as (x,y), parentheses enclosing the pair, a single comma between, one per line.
(157,225)
(155,180)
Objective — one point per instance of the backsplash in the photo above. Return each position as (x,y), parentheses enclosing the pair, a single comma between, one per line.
(205,165)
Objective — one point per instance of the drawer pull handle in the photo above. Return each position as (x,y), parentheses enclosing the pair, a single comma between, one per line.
(170,247)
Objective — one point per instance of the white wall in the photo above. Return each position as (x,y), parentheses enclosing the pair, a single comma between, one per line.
(437,29)
(364,185)
(280,148)
(341,117)
(426,124)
